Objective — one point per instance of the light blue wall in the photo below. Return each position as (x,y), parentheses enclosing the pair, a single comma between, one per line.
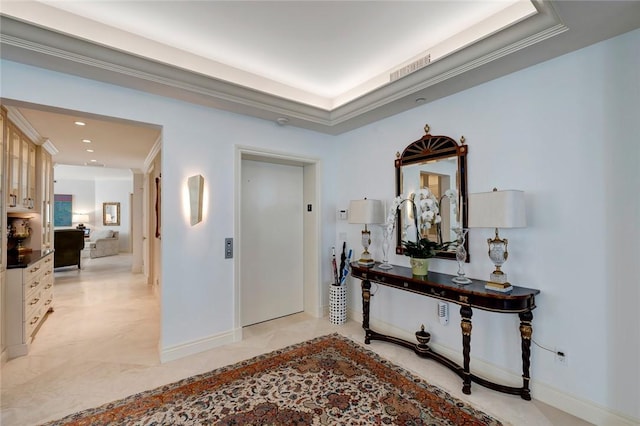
(565,131)
(197,281)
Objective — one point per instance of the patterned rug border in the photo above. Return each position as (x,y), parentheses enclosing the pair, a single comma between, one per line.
(400,376)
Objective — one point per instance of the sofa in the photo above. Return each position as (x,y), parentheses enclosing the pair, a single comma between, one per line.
(67,245)
(104,243)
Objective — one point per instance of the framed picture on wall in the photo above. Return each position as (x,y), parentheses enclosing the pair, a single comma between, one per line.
(62,207)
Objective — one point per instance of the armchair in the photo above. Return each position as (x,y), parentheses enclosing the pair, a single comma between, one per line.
(67,244)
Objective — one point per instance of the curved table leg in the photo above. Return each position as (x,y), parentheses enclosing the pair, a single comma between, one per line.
(526,330)
(465,324)
(366,299)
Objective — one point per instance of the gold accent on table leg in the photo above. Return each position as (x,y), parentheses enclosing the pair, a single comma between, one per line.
(466,327)
(526,330)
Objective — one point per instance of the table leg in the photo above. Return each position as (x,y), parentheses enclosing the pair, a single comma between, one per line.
(465,324)
(526,330)
(366,299)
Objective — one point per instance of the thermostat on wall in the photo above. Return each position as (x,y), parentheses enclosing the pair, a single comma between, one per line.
(343,214)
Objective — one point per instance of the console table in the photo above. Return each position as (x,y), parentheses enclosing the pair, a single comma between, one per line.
(519,301)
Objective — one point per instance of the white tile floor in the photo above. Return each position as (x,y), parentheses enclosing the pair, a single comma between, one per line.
(101,344)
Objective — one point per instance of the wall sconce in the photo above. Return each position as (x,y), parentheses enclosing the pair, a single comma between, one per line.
(196,184)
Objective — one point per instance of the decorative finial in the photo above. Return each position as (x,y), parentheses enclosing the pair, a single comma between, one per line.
(426,128)
(398,154)
(462,140)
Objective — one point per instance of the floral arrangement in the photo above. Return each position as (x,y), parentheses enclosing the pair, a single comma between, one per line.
(426,214)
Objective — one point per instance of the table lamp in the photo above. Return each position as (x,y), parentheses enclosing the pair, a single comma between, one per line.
(366,212)
(80,218)
(497,209)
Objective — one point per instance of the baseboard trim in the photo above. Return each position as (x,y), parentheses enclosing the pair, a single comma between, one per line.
(200,345)
(581,408)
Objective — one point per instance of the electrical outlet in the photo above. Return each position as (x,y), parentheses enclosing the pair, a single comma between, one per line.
(561,357)
(443,313)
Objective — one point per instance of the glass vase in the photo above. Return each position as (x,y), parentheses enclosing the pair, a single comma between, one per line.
(461,256)
(385,252)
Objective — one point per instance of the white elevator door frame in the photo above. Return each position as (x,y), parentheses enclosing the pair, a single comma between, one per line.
(271,259)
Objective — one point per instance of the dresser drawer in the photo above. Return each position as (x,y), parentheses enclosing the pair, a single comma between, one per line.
(33,302)
(33,270)
(34,319)
(33,284)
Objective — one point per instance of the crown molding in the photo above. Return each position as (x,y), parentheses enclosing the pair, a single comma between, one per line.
(14,115)
(532,40)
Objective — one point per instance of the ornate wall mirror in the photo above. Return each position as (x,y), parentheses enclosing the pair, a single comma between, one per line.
(111,214)
(438,163)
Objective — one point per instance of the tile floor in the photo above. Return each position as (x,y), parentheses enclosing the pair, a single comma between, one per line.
(101,343)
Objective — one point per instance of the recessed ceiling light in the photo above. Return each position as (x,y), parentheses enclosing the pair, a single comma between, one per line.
(86,140)
(89,150)
(420,100)
(93,161)
(282,120)
(80,123)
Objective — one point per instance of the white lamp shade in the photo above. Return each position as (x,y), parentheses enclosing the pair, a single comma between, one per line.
(80,218)
(366,211)
(497,209)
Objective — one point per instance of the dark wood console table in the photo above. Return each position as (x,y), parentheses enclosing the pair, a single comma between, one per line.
(519,301)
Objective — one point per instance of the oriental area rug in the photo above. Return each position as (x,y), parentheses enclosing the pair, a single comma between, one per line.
(329,380)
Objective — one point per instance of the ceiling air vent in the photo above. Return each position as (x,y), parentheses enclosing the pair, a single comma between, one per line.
(412,67)
(94,164)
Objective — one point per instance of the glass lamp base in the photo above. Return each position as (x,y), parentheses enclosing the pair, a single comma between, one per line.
(385,265)
(461,280)
(498,278)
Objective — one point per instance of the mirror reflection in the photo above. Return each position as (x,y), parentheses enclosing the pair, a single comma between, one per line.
(439,164)
(111,214)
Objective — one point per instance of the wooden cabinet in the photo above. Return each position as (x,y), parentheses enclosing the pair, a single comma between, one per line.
(29,299)
(21,171)
(45,184)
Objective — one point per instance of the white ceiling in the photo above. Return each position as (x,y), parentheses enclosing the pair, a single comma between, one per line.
(322,53)
(322,65)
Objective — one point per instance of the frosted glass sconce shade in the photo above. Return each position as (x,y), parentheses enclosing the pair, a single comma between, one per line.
(196,184)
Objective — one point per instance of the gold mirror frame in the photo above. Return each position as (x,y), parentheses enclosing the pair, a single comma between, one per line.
(430,149)
(111,214)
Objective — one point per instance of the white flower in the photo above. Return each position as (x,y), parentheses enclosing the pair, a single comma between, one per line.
(426,209)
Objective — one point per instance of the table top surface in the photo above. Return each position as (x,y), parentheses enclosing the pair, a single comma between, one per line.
(22,260)
(443,281)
